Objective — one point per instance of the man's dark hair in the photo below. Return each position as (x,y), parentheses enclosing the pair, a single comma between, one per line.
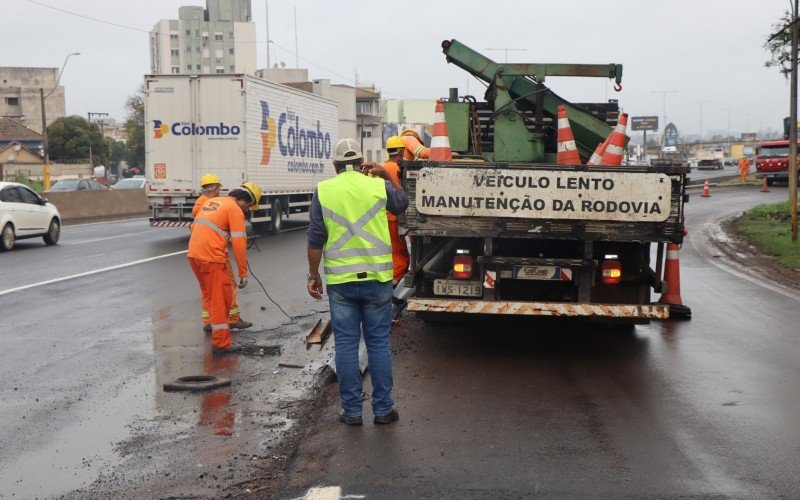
(241,194)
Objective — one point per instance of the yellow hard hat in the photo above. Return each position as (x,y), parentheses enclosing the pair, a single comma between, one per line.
(255,192)
(395,142)
(209,179)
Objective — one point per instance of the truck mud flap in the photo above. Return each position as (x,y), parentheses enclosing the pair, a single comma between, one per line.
(169,223)
(457,306)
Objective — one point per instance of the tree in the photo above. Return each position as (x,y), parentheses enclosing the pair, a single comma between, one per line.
(134,128)
(779,45)
(72,137)
(118,152)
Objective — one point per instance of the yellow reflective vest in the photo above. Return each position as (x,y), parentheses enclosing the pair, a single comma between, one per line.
(358,247)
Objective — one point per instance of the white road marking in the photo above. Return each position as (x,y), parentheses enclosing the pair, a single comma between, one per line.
(89,273)
(104,238)
(705,249)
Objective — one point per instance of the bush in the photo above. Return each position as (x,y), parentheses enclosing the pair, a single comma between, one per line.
(768,228)
(21,178)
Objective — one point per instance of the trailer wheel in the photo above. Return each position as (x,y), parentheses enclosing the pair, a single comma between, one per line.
(277,217)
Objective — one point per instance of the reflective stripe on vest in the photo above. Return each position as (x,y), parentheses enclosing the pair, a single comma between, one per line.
(354,213)
(219,230)
(418,151)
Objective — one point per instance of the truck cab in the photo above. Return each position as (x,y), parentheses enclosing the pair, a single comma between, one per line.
(772,161)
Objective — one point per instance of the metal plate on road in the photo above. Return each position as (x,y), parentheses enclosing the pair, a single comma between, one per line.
(555,273)
(457,288)
(543,194)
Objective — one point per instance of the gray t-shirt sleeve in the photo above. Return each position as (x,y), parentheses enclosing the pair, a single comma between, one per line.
(396,199)
(317,236)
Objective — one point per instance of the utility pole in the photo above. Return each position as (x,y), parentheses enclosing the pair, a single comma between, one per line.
(701,119)
(664,108)
(266,5)
(728,133)
(296,54)
(45,144)
(506,49)
(793,127)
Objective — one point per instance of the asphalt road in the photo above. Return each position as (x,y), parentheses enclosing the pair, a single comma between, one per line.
(93,327)
(700,408)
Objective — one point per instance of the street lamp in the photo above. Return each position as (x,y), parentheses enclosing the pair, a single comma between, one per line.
(701,119)
(46,175)
(664,105)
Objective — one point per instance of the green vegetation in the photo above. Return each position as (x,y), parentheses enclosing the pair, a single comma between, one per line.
(21,178)
(768,228)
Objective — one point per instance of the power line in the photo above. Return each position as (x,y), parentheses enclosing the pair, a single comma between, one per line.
(133,28)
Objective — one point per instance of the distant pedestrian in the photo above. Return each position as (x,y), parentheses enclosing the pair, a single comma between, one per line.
(349,228)
(744,169)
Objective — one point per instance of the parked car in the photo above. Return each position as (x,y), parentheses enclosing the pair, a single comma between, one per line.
(25,214)
(130,183)
(76,185)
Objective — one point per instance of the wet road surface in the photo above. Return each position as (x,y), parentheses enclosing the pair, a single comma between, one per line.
(707,407)
(94,327)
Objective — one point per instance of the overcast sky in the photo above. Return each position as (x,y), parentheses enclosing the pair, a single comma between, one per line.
(704,49)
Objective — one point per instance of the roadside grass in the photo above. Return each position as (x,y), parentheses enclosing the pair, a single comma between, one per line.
(768,228)
(37,186)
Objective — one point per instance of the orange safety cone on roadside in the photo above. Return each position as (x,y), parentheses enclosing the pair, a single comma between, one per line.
(706,190)
(598,153)
(612,156)
(440,142)
(672,275)
(567,152)
(764,185)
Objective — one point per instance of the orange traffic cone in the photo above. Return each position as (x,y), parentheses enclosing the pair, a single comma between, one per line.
(598,153)
(567,153)
(612,156)
(672,275)
(764,186)
(706,190)
(440,143)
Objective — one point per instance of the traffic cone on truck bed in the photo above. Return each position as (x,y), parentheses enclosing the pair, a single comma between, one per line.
(672,275)
(598,153)
(612,156)
(567,153)
(440,143)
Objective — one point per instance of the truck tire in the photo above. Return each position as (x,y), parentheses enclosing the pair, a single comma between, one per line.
(277,217)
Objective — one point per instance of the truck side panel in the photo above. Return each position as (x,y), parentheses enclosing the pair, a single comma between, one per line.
(290,138)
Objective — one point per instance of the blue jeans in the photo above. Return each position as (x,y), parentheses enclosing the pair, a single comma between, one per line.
(356,307)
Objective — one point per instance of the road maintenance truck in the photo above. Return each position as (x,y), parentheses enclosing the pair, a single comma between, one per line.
(241,128)
(501,229)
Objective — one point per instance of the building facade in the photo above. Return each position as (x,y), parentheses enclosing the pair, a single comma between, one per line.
(218,39)
(20,98)
(368,123)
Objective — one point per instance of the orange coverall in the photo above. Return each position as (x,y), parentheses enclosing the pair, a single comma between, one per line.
(233,314)
(414,147)
(218,220)
(400,256)
(744,169)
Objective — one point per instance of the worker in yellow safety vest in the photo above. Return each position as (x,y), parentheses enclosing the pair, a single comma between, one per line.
(349,228)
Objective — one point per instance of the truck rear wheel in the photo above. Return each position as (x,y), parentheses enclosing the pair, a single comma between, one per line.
(277,217)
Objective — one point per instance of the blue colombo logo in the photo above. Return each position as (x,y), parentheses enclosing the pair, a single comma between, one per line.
(160,129)
(292,139)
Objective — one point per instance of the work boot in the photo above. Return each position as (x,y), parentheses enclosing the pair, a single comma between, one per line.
(207,328)
(241,324)
(392,416)
(354,420)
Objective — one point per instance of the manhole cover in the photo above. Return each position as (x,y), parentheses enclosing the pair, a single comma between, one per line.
(197,383)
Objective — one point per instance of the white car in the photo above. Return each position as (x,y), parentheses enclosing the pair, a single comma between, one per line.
(25,214)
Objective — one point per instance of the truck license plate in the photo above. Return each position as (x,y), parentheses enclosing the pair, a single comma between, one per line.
(457,288)
(542,273)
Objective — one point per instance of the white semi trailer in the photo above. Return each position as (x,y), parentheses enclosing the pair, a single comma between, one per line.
(241,128)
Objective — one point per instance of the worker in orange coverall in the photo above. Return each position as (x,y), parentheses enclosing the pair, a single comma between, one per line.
(415,149)
(396,148)
(221,219)
(210,184)
(744,169)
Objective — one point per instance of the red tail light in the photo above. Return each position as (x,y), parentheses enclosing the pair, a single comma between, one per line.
(611,271)
(462,265)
